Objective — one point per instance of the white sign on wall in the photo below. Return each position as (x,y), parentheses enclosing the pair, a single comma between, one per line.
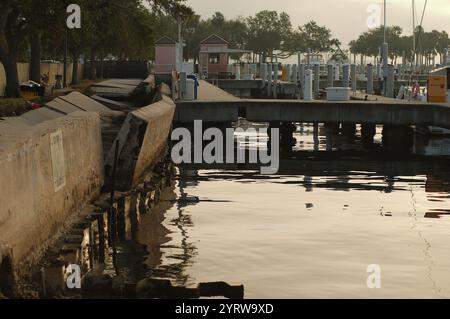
(58,163)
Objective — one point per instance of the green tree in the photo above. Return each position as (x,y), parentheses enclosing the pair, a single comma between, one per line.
(443,44)
(124,28)
(267,32)
(369,43)
(318,38)
(13,29)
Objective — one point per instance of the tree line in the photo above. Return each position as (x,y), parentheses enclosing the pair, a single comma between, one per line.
(31,31)
(428,45)
(267,33)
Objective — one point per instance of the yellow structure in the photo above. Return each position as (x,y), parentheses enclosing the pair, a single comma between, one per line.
(437,88)
(284,74)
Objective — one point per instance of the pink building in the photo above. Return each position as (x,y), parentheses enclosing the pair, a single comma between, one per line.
(165,55)
(214,56)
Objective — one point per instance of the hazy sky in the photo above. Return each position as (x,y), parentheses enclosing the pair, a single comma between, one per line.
(346,18)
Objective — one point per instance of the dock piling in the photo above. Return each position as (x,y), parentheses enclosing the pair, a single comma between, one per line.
(301,80)
(294,74)
(379,77)
(390,81)
(330,78)
(301,74)
(370,79)
(307,89)
(316,81)
(368,132)
(346,75)
(288,72)
(445,58)
(337,72)
(269,79)
(263,73)
(385,55)
(353,76)
(275,80)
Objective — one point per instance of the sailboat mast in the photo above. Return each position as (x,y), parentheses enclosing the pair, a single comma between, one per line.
(414,30)
(385,19)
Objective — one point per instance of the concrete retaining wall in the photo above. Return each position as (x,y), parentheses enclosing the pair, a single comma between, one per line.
(48,171)
(142,141)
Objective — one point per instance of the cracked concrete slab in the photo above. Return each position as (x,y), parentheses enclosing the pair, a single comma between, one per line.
(87,104)
(41,115)
(142,140)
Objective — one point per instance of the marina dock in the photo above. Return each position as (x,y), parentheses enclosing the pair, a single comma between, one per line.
(215,105)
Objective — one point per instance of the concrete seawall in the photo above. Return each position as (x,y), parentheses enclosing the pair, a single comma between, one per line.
(53,170)
(142,141)
(49,171)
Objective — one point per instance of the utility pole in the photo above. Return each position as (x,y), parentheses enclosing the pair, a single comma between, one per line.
(385,20)
(385,52)
(414,31)
(65,61)
(65,53)
(180,46)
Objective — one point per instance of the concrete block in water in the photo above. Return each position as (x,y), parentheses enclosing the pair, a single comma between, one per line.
(97,286)
(142,142)
(160,288)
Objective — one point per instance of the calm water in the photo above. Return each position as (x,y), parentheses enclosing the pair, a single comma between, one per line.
(310,231)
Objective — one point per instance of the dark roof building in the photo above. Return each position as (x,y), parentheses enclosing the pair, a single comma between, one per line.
(165,40)
(214,39)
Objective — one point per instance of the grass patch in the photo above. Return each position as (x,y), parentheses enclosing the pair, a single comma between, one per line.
(12,107)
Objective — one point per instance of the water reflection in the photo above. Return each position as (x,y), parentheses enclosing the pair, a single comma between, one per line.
(334,207)
(170,240)
(329,175)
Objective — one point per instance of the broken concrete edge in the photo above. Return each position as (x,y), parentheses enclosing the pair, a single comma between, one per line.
(154,182)
(142,141)
(24,268)
(159,116)
(165,90)
(7,274)
(6,255)
(150,81)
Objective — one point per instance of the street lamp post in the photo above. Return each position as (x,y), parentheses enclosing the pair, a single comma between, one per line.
(65,61)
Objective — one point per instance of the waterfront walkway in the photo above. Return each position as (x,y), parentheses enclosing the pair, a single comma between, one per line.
(209,92)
